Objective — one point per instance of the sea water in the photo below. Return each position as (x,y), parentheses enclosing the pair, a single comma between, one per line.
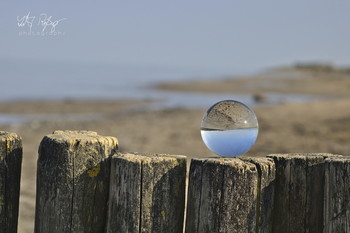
(230,143)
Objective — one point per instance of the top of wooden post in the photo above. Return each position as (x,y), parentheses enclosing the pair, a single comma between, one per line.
(4,134)
(338,158)
(303,155)
(71,136)
(137,157)
(9,142)
(76,134)
(233,162)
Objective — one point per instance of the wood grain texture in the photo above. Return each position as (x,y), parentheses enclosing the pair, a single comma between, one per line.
(10,177)
(337,195)
(266,191)
(73,182)
(222,196)
(298,204)
(147,193)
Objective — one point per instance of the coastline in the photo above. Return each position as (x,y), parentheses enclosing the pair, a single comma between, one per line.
(310,82)
(321,125)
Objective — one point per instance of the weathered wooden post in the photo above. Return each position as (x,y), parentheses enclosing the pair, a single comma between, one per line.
(337,195)
(298,204)
(73,182)
(266,191)
(10,177)
(147,193)
(228,195)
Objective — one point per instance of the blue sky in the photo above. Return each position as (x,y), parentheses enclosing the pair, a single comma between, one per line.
(219,36)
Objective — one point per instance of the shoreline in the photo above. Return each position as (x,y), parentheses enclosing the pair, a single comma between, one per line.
(306,82)
(316,126)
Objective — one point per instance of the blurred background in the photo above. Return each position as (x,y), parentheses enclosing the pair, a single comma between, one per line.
(145,72)
(104,49)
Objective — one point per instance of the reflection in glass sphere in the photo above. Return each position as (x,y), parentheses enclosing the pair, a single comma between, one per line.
(229,128)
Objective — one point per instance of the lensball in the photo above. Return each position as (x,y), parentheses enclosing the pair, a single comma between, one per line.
(229,128)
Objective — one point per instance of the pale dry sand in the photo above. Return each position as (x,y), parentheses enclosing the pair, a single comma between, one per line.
(322,126)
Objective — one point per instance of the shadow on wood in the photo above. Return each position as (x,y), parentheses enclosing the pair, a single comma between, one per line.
(298,203)
(337,195)
(147,193)
(227,195)
(10,177)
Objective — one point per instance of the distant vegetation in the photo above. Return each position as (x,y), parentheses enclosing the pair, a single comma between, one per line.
(316,67)
(321,67)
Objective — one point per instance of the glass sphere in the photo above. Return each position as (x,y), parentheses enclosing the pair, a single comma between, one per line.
(229,128)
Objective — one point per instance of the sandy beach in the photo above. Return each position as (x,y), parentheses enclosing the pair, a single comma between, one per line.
(317,126)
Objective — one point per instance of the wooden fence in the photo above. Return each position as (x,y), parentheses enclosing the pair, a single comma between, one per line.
(85,185)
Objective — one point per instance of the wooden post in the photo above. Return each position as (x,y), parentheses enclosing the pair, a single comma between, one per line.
(225,195)
(337,195)
(73,182)
(298,204)
(10,177)
(266,191)
(147,193)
